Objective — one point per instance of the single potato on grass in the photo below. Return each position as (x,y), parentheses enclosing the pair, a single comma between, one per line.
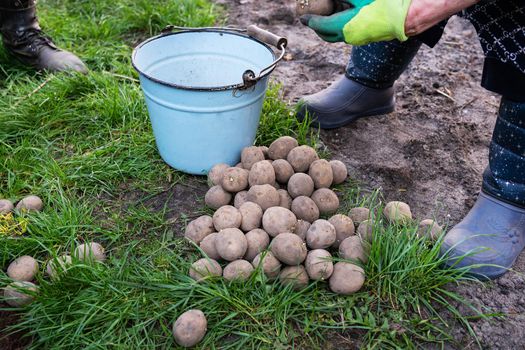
(19,293)
(91,251)
(23,268)
(347,278)
(190,328)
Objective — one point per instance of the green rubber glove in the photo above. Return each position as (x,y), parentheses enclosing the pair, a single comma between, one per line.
(368,21)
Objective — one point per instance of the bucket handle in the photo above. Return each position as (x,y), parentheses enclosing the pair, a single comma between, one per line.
(249,77)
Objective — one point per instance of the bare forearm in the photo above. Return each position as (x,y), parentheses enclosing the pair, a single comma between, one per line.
(423,14)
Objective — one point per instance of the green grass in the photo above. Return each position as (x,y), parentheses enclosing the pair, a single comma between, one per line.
(81,141)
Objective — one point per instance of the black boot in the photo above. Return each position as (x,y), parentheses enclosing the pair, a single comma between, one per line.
(492,235)
(23,38)
(367,87)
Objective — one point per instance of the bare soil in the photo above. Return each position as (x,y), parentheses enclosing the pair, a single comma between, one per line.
(430,152)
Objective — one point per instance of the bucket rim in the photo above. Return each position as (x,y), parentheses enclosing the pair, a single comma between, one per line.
(197,88)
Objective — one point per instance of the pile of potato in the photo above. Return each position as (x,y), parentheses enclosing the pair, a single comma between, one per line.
(24,269)
(268,214)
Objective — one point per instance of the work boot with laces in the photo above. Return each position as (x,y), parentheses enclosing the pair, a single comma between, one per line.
(24,39)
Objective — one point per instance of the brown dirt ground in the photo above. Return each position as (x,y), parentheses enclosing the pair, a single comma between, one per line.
(429,153)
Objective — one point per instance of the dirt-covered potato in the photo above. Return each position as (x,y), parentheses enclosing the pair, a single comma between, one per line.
(278,220)
(283,170)
(301,157)
(251,214)
(280,148)
(23,268)
(239,165)
(295,276)
(6,206)
(91,251)
(347,278)
(305,209)
(270,265)
(344,228)
(215,174)
(300,184)
(55,267)
(258,240)
(240,199)
(199,228)
(301,228)
(264,195)
(234,179)
(19,293)
(289,248)
(365,230)
(250,156)
(320,235)
(203,268)
(216,197)
(397,212)
(359,214)
(326,200)
(231,244)
(190,328)
(285,199)
(353,248)
(321,173)
(30,203)
(264,150)
(227,217)
(430,228)
(319,264)
(339,171)
(314,7)
(261,173)
(238,270)
(208,246)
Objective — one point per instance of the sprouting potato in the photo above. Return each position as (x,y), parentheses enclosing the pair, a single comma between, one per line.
(234,179)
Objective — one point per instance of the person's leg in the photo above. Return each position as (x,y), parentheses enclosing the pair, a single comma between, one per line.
(367,87)
(495,226)
(493,232)
(23,38)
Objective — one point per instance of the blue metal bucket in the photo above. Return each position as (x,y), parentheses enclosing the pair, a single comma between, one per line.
(203,97)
